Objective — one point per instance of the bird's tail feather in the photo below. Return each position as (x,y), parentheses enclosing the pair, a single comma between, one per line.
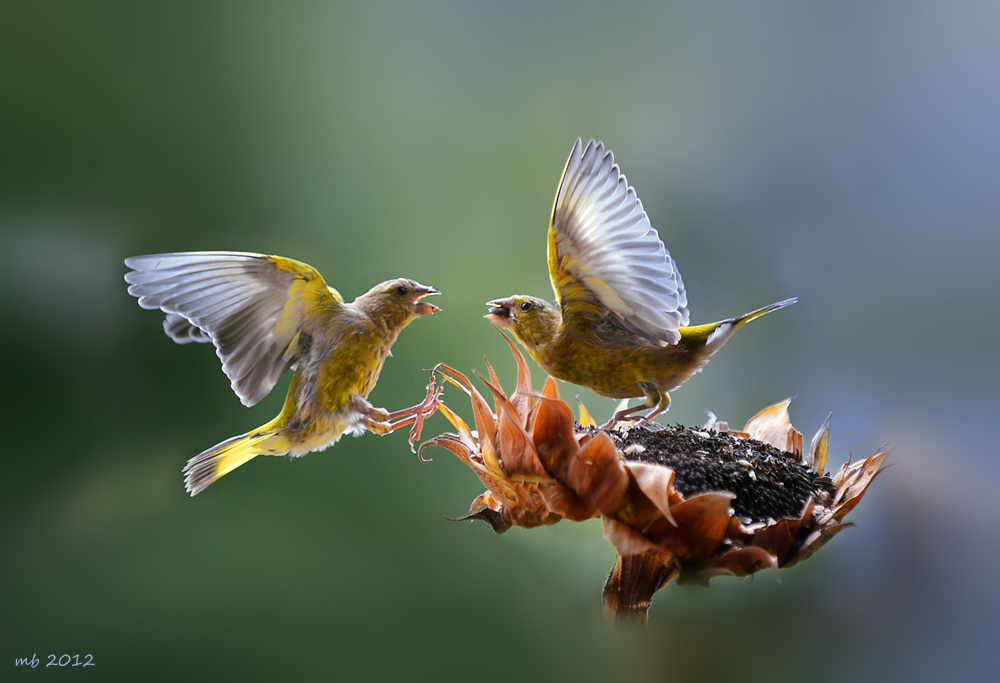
(719,333)
(225,457)
(767,309)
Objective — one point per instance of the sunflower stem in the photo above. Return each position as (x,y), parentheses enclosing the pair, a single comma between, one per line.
(631,585)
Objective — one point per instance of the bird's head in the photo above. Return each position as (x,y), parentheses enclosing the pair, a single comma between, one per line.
(533,321)
(397,302)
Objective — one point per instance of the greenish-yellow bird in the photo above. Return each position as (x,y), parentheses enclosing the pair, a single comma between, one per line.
(266,315)
(620,323)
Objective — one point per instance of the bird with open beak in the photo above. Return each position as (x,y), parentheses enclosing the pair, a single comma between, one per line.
(620,323)
(268,314)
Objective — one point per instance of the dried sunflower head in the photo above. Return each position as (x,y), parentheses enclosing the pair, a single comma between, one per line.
(677,501)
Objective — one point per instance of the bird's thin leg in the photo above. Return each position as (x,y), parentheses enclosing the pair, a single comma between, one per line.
(370,415)
(661,407)
(653,401)
(414,415)
(622,414)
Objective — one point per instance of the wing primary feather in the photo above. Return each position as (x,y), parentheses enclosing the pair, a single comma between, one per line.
(601,235)
(237,325)
(247,353)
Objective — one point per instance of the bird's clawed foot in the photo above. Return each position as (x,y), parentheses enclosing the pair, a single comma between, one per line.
(659,403)
(623,416)
(375,420)
(414,416)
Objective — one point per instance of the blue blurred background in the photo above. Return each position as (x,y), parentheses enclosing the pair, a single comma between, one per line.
(844,153)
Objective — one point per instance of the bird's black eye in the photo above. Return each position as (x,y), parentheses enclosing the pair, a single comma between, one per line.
(526,306)
(401,290)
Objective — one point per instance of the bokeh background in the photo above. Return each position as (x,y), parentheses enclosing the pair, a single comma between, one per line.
(846,153)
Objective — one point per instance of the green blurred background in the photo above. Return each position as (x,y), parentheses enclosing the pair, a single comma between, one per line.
(846,153)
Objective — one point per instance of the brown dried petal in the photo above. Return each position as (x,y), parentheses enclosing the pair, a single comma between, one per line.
(529,509)
(738,562)
(852,481)
(550,390)
(552,434)
(701,525)
(495,481)
(493,386)
(485,423)
(516,449)
(773,427)
(820,447)
(490,458)
(777,538)
(495,518)
(655,481)
(485,499)
(564,502)
(464,433)
(494,380)
(452,444)
(626,540)
(641,513)
(522,398)
(815,541)
(847,478)
(597,474)
(807,511)
(742,534)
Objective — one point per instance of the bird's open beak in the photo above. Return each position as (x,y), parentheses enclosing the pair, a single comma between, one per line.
(422,307)
(500,312)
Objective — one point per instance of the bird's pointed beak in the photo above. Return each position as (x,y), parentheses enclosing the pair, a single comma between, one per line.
(500,312)
(422,307)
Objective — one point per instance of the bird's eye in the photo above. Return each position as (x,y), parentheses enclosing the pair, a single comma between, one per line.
(401,290)
(526,306)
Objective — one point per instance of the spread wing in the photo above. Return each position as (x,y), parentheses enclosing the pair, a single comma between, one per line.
(601,239)
(254,308)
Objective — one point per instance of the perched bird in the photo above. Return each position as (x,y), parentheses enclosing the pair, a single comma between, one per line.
(266,314)
(619,326)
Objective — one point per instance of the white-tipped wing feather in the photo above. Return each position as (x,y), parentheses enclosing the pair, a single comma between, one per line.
(182,331)
(600,234)
(236,300)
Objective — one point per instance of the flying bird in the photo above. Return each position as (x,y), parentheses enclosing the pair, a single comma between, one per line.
(620,323)
(268,314)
